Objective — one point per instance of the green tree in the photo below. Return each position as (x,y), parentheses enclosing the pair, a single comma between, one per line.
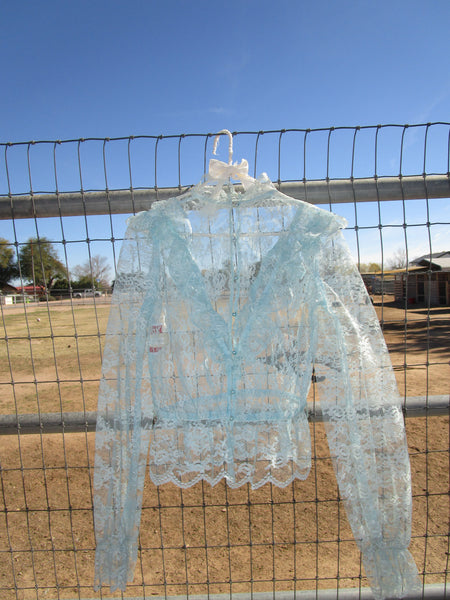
(60,284)
(83,282)
(8,266)
(372,267)
(39,262)
(255,268)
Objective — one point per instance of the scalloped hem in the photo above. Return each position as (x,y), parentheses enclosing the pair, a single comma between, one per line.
(186,480)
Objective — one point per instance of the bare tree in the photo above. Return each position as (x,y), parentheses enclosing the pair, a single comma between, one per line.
(398,259)
(96,270)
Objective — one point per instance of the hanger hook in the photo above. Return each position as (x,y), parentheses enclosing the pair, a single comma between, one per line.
(230,146)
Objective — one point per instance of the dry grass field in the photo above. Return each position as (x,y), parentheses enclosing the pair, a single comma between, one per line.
(53,355)
(215,540)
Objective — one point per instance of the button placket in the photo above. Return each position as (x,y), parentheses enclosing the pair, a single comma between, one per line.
(234,299)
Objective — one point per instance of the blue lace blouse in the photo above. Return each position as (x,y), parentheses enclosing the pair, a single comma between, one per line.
(223,305)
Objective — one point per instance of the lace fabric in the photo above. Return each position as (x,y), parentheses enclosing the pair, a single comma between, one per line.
(224,302)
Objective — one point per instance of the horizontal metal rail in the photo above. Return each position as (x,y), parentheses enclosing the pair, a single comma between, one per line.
(434,591)
(73,422)
(336,191)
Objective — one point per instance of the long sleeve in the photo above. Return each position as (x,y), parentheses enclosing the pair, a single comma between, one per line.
(124,414)
(364,423)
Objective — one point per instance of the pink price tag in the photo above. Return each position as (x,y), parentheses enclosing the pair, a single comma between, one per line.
(155,332)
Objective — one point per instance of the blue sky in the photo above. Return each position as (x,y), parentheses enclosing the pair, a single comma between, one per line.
(109,68)
(112,68)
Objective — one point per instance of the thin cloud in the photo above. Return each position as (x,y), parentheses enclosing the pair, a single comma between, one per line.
(193,112)
(424,115)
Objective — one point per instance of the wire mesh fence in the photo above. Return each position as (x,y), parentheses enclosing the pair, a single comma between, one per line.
(63,206)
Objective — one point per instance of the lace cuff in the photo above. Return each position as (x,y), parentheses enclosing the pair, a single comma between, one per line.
(392,572)
(115,560)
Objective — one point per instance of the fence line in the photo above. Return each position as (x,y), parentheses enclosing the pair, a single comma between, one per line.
(213,543)
(79,422)
(430,592)
(336,191)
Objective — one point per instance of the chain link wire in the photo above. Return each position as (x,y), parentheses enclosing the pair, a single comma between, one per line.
(392,184)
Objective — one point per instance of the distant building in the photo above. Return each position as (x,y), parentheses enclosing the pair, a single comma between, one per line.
(6,288)
(379,283)
(27,293)
(425,280)
(31,290)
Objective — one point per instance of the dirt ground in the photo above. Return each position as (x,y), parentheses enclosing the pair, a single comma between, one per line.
(202,540)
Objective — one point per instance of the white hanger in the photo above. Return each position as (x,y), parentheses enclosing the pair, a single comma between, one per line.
(220,173)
